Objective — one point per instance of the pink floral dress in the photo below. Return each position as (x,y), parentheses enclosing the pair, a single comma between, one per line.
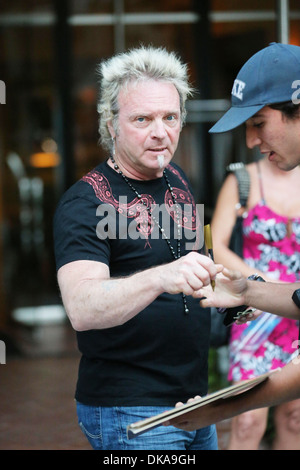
(271,245)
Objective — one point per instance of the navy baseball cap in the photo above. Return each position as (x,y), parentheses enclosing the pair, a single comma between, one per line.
(268,77)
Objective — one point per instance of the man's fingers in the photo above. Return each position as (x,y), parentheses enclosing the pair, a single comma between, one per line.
(181,424)
(197,397)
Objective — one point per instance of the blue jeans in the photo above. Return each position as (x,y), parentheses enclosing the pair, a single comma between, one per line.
(105,429)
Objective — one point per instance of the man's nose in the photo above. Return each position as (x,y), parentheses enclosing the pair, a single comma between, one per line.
(158,129)
(252,137)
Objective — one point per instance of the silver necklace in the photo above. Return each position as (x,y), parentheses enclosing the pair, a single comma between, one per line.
(162,231)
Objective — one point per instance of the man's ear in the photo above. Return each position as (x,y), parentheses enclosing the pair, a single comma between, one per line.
(111,129)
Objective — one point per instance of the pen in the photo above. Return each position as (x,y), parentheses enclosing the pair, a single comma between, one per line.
(209,247)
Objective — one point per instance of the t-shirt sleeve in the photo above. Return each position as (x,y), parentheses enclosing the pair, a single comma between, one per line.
(75,233)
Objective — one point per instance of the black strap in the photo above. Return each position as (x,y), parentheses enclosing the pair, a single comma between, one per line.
(296,297)
(243,178)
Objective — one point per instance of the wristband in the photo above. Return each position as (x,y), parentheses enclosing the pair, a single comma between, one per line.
(296,297)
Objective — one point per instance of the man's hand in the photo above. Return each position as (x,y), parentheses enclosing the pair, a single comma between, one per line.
(196,419)
(229,290)
(187,274)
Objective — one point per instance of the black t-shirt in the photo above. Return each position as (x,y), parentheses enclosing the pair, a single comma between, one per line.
(159,356)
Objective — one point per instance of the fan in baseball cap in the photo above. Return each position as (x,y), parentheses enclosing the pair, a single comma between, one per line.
(266,78)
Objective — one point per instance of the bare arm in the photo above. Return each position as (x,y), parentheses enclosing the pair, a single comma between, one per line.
(222,224)
(232,289)
(275,298)
(282,386)
(93,300)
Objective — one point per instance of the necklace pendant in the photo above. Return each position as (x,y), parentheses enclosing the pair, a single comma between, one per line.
(185,306)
